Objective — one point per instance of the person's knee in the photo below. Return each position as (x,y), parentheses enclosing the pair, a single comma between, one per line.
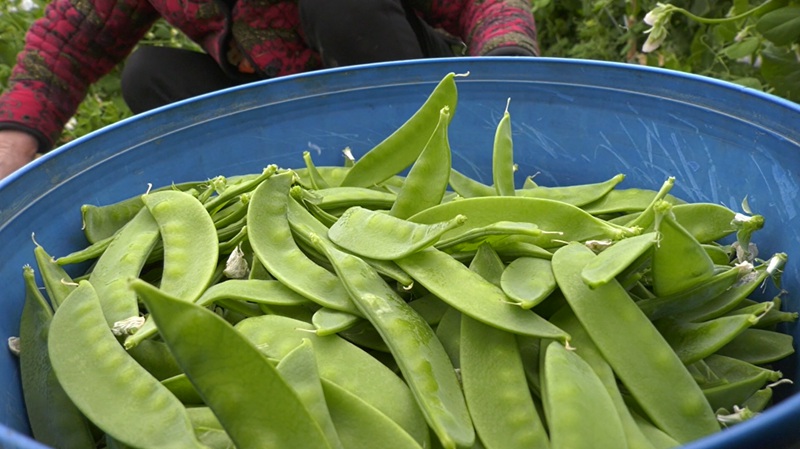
(138,78)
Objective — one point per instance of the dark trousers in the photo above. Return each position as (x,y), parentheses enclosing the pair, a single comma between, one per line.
(344,32)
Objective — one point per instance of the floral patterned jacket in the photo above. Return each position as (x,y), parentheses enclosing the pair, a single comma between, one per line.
(79,41)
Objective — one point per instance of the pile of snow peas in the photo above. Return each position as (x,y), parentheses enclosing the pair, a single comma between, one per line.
(394,302)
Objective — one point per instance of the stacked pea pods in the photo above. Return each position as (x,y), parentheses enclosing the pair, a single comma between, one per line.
(354,307)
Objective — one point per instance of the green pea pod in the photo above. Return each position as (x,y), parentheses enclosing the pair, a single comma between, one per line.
(624,201)
(342,363)
(208,428)
(267,411)
(488,265)
(706,222)
(329,321)
(696,341)
(561,221)
(420,356)
(468,292)
(430,308)
(299,369)
(528,281)
(232,212)
(92,367)
(427,181)
(615,259)
(380,236)
(494,233)
(252,290)
(759,346)
(503,156)
(467,187)
(180,386)
(362,426)
(742,380)
(315,178)
(124,258)
(57,282)
(403,146)
(577,195)
(270,236)
(87,253)
(657,437)
(448,331)
(679,261)
(233,192)
(334,199)
(54,419)
(572,393)
(639,355)
(102,222)
(495,388)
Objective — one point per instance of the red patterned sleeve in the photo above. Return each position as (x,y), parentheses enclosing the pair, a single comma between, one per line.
(74,44)
(486,26)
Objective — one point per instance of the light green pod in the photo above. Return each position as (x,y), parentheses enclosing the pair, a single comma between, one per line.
(615,259)
(528,281)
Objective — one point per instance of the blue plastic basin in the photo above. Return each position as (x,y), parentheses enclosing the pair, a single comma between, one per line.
(573,121)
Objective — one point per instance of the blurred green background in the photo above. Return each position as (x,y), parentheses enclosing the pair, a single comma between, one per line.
(755,44)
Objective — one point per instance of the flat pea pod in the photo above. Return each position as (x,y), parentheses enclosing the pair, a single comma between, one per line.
(87,253)
(257,291)
(263,396)
(467,291)
(577,195)
(615,259)
(124,258)
(420,356)
(381,236)
(759,346)
(649,369)
(496,390)
(575,398)
(448,331)
(362,426)
(328,321)
(528,281)
(91,366)
(679,261)
(400,149)
(562,221)
(54,419)
(180,386)
(742,380)
(299,369)
(503,156)
(342,363)
(102,222)
(315,178)
(57,282)
(467,187)
(696,341)
(208,428)
(706,222)
(242,187)
(334,199)
(270,236)
(492,233)
(427,180)
(191,250)
(624,201)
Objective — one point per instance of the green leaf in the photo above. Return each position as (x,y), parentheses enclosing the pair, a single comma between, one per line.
(781,69)
(741,49)
(781,26)
(753,83)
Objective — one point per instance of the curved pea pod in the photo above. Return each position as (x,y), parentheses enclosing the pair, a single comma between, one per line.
(335,199)
(624,201)
(448,331)
(267,411)
(696,341)
(493,233)
(380,236)
(124,258)
(57,282)
(342,363)
(639,355)
(427,180)
(503,156)
(208,428)
(400,149)
(472,295)
(587,350)
(528,281)
(239,188)
(467,187)
(706,222)
(430,308)
(180,386)
(742,380)
(190,250)
(257,291)
(299,369)
(573,395)
(759,346)
(577,195)
(419,354)
(679,261)
(487,264)
(559,221)
(496,390)
(54,419)
(270,236)
(87,253)
(362,426)
(102,222)
(656,436)
(92,367)
(615,259)
(329,321)
(697,297)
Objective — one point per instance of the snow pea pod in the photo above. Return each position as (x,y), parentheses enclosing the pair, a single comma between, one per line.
(624,201)
(419,354)
(615,259)
(468,292)
(54,419)
(742,380)
(649,369)
(381,236)
(573,396)
(92,367)
(334,199)
(267,412)
(427,180)
(208,428)
(467,187)
(503,156)
(759,346)
(496,232)
(57,282)
(328,321)
(257,291)
(528,281)
(577,195)
(239,188)
(270,236)
(400,149)
(315,178)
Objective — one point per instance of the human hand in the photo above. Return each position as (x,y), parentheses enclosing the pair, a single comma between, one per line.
(17,148)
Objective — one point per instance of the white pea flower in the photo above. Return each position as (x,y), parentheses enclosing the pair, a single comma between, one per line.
(657,18)
(28,5)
